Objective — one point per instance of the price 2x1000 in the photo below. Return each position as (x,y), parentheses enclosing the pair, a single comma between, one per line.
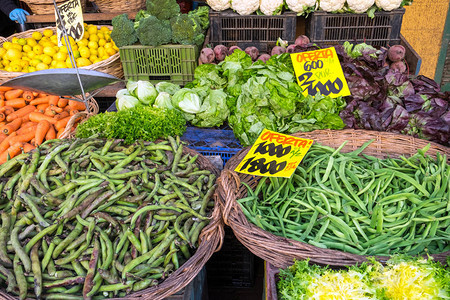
(326,88)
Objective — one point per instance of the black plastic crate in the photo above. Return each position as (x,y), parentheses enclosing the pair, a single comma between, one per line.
(232,266)
(105,103)
(382,30)
(231,29)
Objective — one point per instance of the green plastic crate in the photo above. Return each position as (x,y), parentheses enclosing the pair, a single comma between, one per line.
(173,63)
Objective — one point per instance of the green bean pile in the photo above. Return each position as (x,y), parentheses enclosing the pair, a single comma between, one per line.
(358,203)
(90,218)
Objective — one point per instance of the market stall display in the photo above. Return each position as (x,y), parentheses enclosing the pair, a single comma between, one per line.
(352,224)
(35,50)
(30,118)
(383,96)
(100,217)
(305,7)
(402,277)
(161,44)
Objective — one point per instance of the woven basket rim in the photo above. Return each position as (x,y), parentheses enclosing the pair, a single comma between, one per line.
(113,59)
(119,6)
(281,251)
(210,241)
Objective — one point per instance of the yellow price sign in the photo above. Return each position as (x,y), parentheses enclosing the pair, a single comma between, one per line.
(72,20)
(274,154)
(320,71)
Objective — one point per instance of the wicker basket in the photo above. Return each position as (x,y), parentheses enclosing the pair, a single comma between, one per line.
(280,251)
(69,131)
(210,241)
(111,66)
(113,6)
(42,7)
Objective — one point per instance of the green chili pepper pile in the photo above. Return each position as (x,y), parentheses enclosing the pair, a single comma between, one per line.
(89,218)
(358,203)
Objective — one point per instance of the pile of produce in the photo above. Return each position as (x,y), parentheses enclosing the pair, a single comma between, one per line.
(41,51)
(28,118)
(358,204)
(402,278)
(209,55)
(161,23)
(95,218)
(266,95)
(304,7)
(384,98)
(131,124)
(145,93)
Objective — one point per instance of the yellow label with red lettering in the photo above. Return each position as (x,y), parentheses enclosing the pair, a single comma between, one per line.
(274,154)
(321,72)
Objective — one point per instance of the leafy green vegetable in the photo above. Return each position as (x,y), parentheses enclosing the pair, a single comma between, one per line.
(403,278)
(124,100)
(143,90)
(167,87)
(164,100)
(142,122)
(214,110)
(201,14)
(359,50)
(153,31)
(188,102)
(123,33)
(163,9)
(186,30)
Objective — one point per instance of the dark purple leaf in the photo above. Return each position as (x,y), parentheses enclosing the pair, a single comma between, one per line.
(413,103)
(405,90)
(360,88)
(386,117)
(439,102)
(395,78)
(369,117)
(400,118)
(387,105)
(425,85)
(446,117)
(437,130)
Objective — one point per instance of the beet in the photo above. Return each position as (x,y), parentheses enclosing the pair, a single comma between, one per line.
(302,41)
(207,56)
(398,66)
(253,52)
(232,48)
(293,48)
(396,53)
(220,51)
(264,57)
(278,50)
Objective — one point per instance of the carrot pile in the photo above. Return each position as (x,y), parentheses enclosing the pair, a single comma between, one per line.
(27,119)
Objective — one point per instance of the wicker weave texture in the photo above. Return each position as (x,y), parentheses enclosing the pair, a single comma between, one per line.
(280,251)
(210,241)
(42,7)
(109,6)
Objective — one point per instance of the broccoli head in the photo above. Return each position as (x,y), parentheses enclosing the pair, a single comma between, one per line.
(201,14)
(123,33)
(186,31)
(154,32)
(141,15)
(163,9)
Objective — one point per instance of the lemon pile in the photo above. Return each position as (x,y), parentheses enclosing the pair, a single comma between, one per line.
(41,51)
